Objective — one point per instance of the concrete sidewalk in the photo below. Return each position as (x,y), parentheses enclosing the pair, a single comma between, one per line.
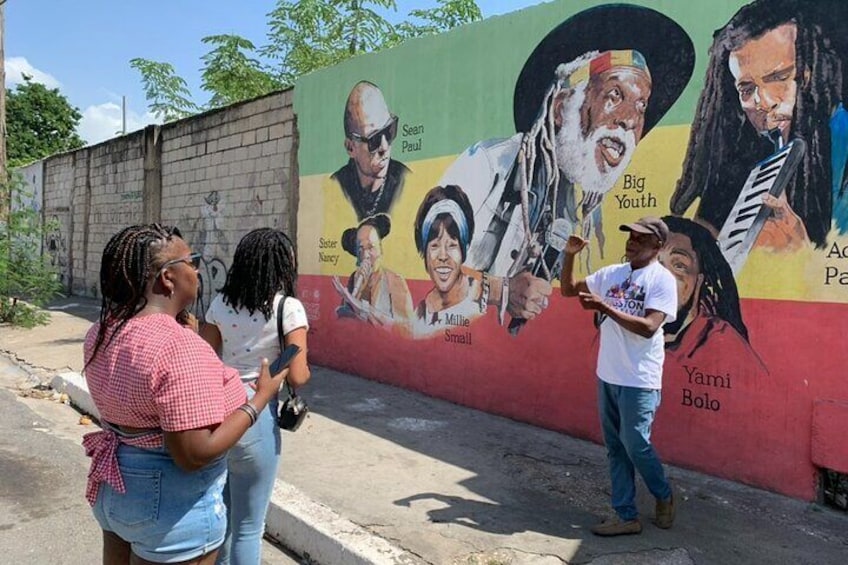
(379,474)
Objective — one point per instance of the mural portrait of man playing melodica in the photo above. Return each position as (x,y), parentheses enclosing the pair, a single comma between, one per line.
(775,74)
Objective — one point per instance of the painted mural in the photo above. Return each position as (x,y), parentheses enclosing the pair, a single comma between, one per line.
(441,179)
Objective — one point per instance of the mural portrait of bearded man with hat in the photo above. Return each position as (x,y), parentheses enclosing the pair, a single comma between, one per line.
(589,92)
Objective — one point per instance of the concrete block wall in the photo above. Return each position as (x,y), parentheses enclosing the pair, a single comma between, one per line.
(56,209)
(115,182)
(84,271)
(215,176)
(225,173)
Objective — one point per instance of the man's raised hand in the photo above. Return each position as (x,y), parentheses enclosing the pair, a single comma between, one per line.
(575,244)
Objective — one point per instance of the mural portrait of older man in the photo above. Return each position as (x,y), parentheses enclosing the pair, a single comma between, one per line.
(589,92)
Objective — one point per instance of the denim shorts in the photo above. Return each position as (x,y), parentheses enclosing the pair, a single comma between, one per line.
(167,515)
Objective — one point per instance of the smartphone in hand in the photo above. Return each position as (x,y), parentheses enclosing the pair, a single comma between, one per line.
(284,359)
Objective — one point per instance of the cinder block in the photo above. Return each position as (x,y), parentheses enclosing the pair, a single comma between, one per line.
(248,138)
(276,131)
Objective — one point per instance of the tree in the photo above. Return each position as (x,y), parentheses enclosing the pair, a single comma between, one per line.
(39,122)
(27,281)
(167,93)
(303,36)
(230,75)
(307,35)
(448,15)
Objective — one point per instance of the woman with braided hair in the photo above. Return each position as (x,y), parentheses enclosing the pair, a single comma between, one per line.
(168,407)
(241,325)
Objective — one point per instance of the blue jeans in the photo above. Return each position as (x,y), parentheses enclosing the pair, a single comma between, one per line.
(252,465)
(626,417)
(167,514)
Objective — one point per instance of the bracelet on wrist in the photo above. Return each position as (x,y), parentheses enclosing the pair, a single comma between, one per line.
(251,412)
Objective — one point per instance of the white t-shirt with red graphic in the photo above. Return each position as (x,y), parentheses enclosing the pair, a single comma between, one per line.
(247,338)
(626,358)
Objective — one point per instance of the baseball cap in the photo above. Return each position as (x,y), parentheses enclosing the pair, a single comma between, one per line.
(650,225)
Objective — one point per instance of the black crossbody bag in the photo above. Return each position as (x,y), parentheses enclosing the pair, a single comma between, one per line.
(293,409)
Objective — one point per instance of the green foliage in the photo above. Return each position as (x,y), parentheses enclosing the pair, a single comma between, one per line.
(167,94)
(39,122)
(230,75)
(448,15)
(303,36)
(26,279)
(306,35)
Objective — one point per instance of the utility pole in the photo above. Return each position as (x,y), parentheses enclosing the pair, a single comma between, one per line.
(123,115)
(5,187)
(2,88)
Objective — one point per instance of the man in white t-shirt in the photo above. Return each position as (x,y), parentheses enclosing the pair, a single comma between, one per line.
(633,300)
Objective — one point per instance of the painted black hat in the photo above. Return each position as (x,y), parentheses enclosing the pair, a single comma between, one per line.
(667,50)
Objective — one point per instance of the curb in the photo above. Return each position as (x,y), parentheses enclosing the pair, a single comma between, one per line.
(294,520)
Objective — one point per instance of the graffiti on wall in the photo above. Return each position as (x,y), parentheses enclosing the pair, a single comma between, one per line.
(211,241)
(210,232)
(56,248)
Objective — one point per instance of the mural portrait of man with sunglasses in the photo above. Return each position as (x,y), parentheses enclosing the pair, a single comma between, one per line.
(371,180)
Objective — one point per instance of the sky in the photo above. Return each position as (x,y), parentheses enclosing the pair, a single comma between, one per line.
(83,47)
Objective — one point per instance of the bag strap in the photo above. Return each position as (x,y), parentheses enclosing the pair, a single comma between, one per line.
(281,341)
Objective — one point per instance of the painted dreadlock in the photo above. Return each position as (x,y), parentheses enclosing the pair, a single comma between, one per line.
(719,296)
(264,264)
(723,147)
(129,260)
(538,168)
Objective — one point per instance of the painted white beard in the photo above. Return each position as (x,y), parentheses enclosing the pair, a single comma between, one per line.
(576,152)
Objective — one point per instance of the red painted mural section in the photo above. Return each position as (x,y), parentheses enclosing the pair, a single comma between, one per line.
(723,411)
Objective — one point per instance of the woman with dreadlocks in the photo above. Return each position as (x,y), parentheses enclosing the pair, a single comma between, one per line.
(168,407)
(241,325)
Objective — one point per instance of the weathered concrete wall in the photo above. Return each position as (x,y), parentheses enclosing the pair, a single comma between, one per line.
(59,176)
(216,176)
(225,173)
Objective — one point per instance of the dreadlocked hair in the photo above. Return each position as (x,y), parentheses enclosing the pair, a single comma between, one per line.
(719,295)
(723,147)
(128,262)
(537,159)
(263,265)
(537,156)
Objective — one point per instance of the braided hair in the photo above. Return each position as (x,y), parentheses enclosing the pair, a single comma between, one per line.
(264,264)
(719,296)
(129,261)
(723,147)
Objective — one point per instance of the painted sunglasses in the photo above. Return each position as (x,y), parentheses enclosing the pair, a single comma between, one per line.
(375,140)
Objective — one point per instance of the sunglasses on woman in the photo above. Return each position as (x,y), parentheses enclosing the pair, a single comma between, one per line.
(375,140)
(193,260)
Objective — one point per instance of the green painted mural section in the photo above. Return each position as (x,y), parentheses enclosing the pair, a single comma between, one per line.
(459,85)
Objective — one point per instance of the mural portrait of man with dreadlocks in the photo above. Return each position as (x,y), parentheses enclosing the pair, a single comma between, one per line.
(589,92)
(774,75)
(709,317)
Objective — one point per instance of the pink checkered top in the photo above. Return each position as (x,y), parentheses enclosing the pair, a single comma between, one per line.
(155,374)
